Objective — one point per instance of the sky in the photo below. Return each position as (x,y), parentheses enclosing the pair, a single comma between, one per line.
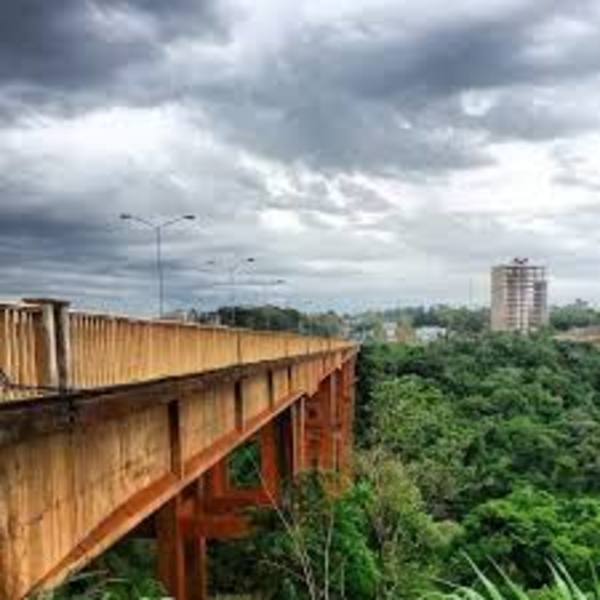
(367,153)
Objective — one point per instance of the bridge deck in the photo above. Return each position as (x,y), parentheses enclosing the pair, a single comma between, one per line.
(45,347)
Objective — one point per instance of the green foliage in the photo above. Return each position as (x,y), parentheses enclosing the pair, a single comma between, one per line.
(562,587)
(375,540)
(274,318)
(244,465)
(521,530)
(578,314)
(407,541)
(316,544)
(501,434)
(461,320)
(505,409)
(124,573)
(262,317)
(413,421)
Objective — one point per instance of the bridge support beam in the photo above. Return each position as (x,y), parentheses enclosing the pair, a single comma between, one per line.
(212,508)
(298,437)
(182,558)
(170,547)
(322,427)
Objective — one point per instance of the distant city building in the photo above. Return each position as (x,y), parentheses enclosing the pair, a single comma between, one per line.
(430,333)
(390,332)
(519,297)
(405,333)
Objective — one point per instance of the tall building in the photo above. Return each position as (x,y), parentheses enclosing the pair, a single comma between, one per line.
(519,297)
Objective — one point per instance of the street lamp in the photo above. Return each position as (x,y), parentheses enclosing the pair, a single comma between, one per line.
(308,306)
(265,298)
(158,227)
(232,269)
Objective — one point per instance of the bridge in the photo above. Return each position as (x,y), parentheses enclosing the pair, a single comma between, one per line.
(112,425)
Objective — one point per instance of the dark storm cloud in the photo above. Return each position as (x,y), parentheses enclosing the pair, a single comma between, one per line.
(379,94)
(491,51)
(389,102)
(450,55)
(336,133)
(329,98)
(516,118)
(68,44)
(53,236)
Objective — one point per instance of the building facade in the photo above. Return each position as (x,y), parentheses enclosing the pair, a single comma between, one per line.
(519,297)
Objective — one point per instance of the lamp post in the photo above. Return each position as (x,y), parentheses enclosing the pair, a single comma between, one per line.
(265,285)
(308,306)
(157,228)
(232,269)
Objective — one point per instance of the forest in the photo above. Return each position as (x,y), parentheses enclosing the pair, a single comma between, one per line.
(477,472)
(500,437)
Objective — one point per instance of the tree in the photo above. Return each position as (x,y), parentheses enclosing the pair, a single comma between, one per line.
(316,546)
(578,314)
(521,532)
(408,542)
(473,420)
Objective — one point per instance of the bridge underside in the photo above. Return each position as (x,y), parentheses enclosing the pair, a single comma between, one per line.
(80,471)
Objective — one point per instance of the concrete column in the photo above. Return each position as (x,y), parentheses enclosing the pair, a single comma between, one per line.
(170,549)
(321,426)
(217,480)
(53,358)
(196,559)
(196,555)
(269,460)
(46,360)
(182,559)
(298,418)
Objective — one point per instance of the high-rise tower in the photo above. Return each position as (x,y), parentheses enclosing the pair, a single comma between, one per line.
(519,297)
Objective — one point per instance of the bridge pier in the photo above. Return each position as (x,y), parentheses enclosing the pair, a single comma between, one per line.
(313,433)
(171,548)
(323,426)
(212,508)
(182,565)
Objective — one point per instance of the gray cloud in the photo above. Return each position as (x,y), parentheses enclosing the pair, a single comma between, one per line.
(353,155)
(387,100)
(73,43)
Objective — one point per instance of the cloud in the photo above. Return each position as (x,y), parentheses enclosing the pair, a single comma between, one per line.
(371,151)
(74,43)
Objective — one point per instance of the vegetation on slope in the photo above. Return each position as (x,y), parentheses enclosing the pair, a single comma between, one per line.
(501,436)
(124,573)
(485,448)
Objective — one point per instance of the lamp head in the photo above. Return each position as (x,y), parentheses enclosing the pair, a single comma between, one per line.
(125,216)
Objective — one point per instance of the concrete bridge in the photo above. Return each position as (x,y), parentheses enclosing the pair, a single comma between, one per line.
(111,424)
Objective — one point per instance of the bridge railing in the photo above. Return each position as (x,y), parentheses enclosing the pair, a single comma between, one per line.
(45,348)
(21,347)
